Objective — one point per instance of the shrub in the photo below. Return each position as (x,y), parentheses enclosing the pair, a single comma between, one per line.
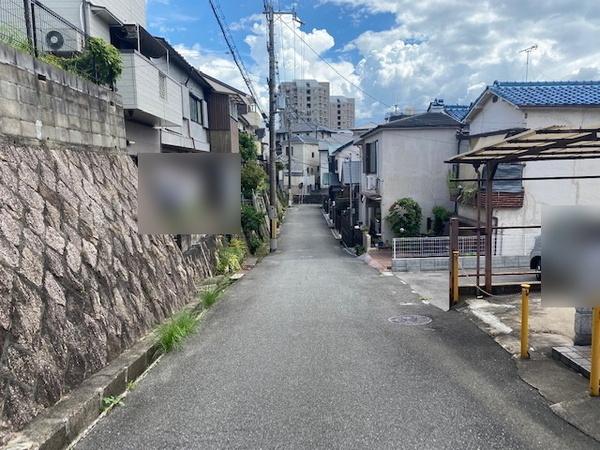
(440,217)
(254,178)
(172,333)
(239,247)
(15,38)
(251,219)
(100,62)
(247,147)
(405,217)
(254,243)
(229,259)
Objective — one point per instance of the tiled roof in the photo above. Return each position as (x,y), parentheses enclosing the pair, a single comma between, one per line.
(457,112)
(549,93)
(425,120)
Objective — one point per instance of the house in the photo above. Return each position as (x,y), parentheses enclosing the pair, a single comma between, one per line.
(506,108)
(168,104)
(305,163)
(152,98)
(405,158)
(193,134)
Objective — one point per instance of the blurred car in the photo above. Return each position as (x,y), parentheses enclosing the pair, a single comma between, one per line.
(535,257)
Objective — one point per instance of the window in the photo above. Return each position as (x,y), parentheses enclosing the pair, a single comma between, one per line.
(162,85)
(313,154)
(371,157)
(195,110)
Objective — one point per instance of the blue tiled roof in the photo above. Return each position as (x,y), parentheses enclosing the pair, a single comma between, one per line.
(457,112)
(549,93)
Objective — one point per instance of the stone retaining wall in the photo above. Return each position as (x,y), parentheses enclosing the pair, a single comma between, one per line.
(78,284)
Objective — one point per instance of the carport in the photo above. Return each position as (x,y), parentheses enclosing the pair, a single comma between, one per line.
(546,144)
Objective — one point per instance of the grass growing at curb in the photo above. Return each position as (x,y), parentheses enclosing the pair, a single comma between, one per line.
(110,402)
(172,333)
(210,297)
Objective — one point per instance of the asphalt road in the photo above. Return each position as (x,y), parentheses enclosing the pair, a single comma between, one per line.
(300,354)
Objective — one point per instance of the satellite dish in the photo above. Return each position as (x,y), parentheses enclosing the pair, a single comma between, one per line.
(55,40)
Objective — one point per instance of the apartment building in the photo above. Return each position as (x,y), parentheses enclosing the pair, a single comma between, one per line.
(341,112)
(306,101)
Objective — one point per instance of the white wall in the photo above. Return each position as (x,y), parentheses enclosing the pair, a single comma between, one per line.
(190,134)
(411,164)
(497,116)
(146,138)
(556,192)
(139,86)
(343,155)
(127,11)
(68,9)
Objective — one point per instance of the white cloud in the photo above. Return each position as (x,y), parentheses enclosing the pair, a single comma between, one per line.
(436,48)
(452,49)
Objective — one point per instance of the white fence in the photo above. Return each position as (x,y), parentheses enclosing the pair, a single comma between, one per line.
(504,243)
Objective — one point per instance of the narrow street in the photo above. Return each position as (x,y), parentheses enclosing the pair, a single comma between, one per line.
(300,354)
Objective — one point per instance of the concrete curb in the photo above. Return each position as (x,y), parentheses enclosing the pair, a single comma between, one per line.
(59,425)
(64,423)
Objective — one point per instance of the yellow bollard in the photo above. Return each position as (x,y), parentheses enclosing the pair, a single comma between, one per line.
(525,321)
(595,370)
(454,277)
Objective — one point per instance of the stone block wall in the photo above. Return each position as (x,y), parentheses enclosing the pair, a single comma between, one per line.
(78,283)
(40,101)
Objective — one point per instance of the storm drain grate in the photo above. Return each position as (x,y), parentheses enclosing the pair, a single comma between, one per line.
(410,319)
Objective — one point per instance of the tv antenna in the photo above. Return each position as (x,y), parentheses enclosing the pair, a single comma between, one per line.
(528,50)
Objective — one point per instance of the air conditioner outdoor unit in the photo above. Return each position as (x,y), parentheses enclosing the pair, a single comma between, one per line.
(372,182)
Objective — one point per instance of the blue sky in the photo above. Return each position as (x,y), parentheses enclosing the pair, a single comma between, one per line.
(398,52)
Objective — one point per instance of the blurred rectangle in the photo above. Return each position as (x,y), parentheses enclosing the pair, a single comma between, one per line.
(189,193)
(570,256)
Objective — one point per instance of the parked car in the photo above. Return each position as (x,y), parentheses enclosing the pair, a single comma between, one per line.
(535,257)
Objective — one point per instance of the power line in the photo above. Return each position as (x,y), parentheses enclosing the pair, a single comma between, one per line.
(234,51)
(334,69)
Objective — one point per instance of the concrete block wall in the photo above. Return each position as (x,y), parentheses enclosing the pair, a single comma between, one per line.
(466,262)
(42,102)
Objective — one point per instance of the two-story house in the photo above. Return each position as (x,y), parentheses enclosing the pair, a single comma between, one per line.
(405,158)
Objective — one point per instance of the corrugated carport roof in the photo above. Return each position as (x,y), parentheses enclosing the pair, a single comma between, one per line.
(546,144)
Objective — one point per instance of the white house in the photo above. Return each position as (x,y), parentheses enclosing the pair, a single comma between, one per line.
(305,164)
(505,108)
(405,158)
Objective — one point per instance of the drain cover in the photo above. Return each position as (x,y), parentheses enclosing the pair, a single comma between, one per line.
(410,319)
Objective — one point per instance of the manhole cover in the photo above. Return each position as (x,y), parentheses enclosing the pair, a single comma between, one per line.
(410,319)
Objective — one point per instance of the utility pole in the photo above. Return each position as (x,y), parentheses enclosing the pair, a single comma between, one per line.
(270,15)
(289,152)
(272,111)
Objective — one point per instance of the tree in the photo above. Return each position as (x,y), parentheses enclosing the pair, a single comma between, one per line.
(254,178)
(405,217)
(247,147)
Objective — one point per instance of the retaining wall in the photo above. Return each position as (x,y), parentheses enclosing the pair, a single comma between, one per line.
(78,284)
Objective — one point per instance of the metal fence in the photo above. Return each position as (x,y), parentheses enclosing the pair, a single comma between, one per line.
(30,26)
(504,243)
